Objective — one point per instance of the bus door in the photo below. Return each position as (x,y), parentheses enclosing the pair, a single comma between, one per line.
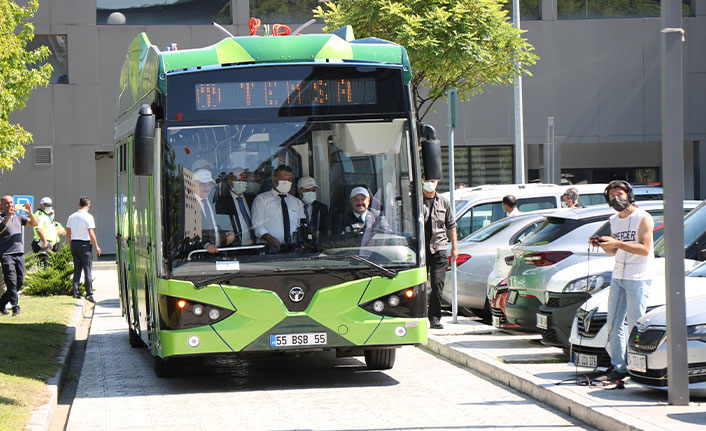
(142,249)
(123,230)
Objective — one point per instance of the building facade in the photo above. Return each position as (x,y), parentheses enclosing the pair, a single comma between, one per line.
(598,76)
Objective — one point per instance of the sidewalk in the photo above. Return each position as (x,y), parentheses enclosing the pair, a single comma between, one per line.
(520,361)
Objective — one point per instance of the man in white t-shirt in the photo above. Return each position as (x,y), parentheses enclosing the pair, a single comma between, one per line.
(631,244)
(80,232)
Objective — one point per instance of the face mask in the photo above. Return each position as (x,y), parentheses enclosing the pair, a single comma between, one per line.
(619,204)
(563,205)
(239,187)
(284,186)
(308,197)
(429,186)
(253,188)
(51,217)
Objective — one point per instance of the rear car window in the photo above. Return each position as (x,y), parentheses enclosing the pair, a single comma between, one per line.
(556,227)
(488,231)
(479,217)
(694,228)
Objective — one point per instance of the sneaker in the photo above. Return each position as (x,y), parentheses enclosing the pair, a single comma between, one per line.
(3,311)
(76,295)
(614,375)
(16,311)
(89,298)
(435,324)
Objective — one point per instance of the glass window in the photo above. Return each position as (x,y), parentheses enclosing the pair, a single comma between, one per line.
(588,200)
(556,227)
(534,204)
(283,11)
(694,228)
(583,9)
(168,12)
(478,165)
(529,9)
(521,235)
(479,217)
(58,57)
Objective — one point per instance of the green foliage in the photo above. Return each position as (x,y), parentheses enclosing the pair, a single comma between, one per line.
(462,44)
(20,73)
(56,279)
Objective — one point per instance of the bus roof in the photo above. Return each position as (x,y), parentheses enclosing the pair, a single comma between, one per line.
(146,68)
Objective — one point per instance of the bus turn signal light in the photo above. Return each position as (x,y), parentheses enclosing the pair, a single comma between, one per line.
(409,293)
(181,303)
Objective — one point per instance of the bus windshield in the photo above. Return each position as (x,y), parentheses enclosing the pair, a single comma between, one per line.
(219,190)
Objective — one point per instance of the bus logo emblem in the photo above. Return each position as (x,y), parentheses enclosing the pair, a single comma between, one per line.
(296,294)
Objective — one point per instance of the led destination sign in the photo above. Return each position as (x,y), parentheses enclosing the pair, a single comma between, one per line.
(286,93)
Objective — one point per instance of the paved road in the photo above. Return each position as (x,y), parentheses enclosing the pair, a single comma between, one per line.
(118,390)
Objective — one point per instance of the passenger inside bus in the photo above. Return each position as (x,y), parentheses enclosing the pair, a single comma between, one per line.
(231,200)
(211,236)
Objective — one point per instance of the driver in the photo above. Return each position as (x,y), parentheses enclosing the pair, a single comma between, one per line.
(276,213)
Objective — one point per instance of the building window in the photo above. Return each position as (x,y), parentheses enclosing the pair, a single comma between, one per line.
(58,57)
(529,9)
(588,9)
(478,165)
(283,11)
(606,175)
(167,12)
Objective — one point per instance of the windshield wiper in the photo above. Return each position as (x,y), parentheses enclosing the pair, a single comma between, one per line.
(389,273)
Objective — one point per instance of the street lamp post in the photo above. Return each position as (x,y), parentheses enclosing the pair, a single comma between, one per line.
(519,128)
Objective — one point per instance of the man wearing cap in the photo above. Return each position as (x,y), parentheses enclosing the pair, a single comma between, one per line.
(439,230)
(80,232)
(276,213)
(363,219)
(42,238)
(232,202)
(315,212)
(211,236)
(12,251)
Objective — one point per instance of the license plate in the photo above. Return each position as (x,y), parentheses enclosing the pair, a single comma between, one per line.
(637,363)
(542,321)
(294,340)
(584,360)
(496,321)
(512,297)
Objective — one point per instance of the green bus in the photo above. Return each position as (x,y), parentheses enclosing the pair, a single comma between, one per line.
(327,106)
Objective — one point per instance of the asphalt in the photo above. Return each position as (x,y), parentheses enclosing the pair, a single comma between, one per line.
(514,359)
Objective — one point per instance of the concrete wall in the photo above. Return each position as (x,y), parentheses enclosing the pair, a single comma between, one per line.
(600,79)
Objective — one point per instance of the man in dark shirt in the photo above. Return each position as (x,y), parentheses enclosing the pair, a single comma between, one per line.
(12,250)
(439,229)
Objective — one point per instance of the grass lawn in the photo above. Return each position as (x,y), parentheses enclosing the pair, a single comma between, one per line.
(29,346)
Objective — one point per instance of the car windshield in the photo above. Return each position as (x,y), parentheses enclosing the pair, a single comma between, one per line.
(357,173)
(697,271)
(492,229)
(694,227)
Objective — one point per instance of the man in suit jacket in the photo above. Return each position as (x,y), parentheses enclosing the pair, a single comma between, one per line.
(232,202)
(316,212)
(363,219)
(212,236)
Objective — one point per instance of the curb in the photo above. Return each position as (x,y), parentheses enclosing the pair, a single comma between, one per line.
(575,405)
(42,416)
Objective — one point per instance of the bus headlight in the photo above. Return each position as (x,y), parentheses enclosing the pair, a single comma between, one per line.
(180,313)
(408,302)
(393,300)
(378,306)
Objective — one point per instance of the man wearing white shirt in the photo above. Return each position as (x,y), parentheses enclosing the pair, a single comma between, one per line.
(276,213)
(80,232)
(232,202)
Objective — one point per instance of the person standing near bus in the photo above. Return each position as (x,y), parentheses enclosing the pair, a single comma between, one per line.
(80,232)
(12,250)
(42,239)
(276,213)
(439,230)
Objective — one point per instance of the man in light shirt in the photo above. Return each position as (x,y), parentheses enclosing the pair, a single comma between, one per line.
(80,232)
(276,213)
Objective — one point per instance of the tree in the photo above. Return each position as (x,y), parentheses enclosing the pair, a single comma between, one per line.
(462,44)
(20,73)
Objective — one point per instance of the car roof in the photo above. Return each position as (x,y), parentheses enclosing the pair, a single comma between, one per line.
(604,209)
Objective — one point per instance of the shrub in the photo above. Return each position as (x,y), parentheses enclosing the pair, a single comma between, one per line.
(56,279)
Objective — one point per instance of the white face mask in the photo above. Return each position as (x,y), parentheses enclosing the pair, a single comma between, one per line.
(239,187)
(308,197)
(284,186)
(429,186)
(563,205)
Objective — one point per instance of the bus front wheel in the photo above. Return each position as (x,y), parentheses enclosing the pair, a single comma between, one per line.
(165,368)
(380,359)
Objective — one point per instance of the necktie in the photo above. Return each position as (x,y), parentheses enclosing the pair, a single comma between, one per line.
(285,220)
(246,216)
(306,213)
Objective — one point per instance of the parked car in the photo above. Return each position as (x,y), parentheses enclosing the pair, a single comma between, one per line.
(476,254)
(694,235)
(589,333)
(647,345)
(560,242)
(477,207)
(498,299)
(570,287)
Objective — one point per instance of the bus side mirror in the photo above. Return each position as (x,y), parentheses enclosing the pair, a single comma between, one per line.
(431,153)
(143,155)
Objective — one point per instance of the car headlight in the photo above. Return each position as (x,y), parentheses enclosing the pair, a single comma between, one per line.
(696,332)
(588,284)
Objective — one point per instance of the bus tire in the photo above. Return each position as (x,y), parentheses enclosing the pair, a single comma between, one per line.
(134,339)
(380,359)
(165,368)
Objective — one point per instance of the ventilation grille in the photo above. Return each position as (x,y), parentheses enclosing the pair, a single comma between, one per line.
(43,156)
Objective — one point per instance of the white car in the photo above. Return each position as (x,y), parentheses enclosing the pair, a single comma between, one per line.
(589,332)
(647,346)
